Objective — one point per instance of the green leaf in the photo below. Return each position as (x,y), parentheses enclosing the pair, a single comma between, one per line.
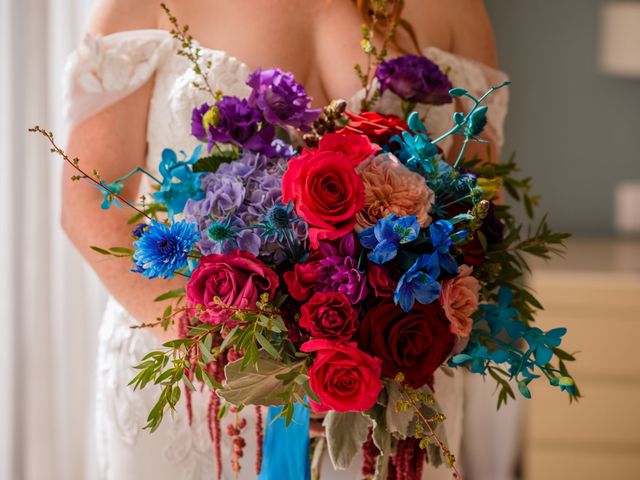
(345,432)
(255,384)
(179,292)
(213,162)
(122,250)
(268,347)
(397,421)
(101,251)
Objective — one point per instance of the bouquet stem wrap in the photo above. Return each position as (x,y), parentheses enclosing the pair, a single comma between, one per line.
(286,448)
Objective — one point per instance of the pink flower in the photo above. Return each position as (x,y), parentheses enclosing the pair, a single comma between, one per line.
(237,279)
(390,187)
(459,299)
(344,378)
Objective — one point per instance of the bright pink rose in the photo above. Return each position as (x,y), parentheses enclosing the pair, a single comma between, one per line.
(237,279)
(459,299)
(344,378)
(356,148)
(329,315)
(380,281)
(326,191)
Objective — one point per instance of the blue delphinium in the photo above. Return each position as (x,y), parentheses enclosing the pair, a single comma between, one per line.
(384,239)
(163,250)
(175,194)
(419,283)
(440,233)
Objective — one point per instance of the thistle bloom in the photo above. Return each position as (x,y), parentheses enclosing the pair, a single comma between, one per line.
(162,250)
(385,238)
(415,79)
(282,100)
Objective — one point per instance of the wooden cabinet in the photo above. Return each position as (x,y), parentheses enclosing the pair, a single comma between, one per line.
(595,293)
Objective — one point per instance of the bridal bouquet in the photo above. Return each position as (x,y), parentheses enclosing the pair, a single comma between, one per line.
(334,261)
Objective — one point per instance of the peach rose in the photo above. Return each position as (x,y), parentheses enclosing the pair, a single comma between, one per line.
(390,187)
(459,299)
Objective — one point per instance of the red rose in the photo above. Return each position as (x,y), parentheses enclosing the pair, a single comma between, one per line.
(304,277)
(414,343)
(473,252)
(357,148)
(327,193)
(329,315)
(380,281)
(379,128)
(344,378)
(237,278)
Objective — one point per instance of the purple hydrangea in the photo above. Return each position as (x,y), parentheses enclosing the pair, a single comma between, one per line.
(237,196)
(414,78)
(339,272)
(235,121)
(282,100)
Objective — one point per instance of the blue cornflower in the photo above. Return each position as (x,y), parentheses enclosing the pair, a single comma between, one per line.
(175,194)
(419,283)
(415,148)
(162,250)
(384,239)
(541,343)
(440,233)
(503,316)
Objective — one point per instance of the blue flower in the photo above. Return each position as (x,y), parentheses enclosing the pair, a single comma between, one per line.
(108,197)
(162,250)
(477,122)
(542,344)
(477,356)
(175,194)
(385,238)
(503,316)
(440,233)
(415,149)
(419,283)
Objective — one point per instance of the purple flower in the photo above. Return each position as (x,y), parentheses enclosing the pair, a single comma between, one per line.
(282,100)
(492,226)
(198,129)
(415,79)
(339,272)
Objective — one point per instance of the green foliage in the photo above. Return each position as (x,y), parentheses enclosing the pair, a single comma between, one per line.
(212,162)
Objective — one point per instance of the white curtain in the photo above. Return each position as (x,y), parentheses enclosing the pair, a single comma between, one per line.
(50,303)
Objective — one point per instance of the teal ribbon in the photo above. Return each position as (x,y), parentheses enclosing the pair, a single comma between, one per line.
(285,454)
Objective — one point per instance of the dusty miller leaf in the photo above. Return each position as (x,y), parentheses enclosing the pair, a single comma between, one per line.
(397,421)
(345,432)
(255,384)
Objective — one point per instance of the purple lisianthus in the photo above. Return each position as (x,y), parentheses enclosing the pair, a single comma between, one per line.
(416,79)
(198,129)
(282,100)
(339,272)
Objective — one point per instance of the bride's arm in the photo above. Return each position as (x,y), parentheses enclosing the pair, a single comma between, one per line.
(113,142)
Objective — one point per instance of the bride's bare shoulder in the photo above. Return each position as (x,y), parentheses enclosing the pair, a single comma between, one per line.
(110,16)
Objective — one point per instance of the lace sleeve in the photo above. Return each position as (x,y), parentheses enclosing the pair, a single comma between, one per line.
(477,78)
(104,70)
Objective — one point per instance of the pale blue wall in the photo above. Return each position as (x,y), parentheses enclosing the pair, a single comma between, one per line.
(575,130)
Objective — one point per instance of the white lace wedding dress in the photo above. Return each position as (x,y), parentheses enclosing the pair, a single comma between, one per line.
(103,71)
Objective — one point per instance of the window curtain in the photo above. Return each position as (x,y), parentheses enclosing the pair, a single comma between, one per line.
(50,303)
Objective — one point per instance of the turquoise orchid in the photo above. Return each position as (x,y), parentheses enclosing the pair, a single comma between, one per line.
(542,344)
(174,194)
(478,357)
(385,238)
(415,149)
(503,316)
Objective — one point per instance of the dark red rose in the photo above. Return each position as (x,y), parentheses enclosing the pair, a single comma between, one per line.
(473,253)
(329,315)
(379,128)
(357,148)
(414,344)
(237,278)
(380,280)
(302,280)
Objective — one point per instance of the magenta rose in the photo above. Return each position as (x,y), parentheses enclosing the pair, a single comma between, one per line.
(344,378)
(329,315)
(237,278)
